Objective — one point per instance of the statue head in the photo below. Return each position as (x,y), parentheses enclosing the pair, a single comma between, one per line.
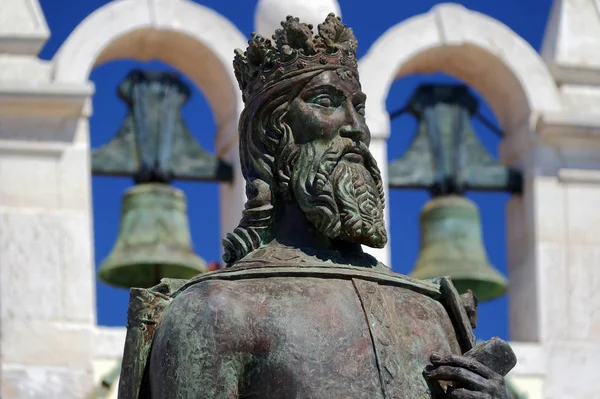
(304,139)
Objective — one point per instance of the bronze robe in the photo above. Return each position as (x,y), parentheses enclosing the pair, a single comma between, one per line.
(325,331)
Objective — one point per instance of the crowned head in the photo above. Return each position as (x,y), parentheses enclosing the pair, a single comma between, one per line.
(304,139)
(293,51)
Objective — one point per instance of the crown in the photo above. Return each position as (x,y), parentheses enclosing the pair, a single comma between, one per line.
(293,51)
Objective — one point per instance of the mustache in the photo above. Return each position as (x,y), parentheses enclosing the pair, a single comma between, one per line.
(349,146)
(339,148)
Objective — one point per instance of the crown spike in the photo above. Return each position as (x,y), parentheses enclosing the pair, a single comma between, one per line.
(294,49)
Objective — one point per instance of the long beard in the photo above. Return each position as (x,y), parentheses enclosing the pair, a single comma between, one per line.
(342,199)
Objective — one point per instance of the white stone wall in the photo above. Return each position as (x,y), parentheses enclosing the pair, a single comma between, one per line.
(549,105)
(47,309)
(49,346)
(108,352)
(47,300)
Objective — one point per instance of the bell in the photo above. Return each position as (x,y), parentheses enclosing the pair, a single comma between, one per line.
(154,239)
(451,245)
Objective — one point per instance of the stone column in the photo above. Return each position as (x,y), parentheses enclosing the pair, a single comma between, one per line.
(555,249)
(47,299)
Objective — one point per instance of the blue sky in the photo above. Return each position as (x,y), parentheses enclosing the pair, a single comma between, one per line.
(369,21)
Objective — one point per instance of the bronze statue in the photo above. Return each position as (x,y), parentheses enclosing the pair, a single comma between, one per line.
(302,311)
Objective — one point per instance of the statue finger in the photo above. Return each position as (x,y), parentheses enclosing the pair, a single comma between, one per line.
(464,362)
(465,377)
(462,393)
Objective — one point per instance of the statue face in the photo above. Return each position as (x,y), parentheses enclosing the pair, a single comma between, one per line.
(330,105)
(334,177)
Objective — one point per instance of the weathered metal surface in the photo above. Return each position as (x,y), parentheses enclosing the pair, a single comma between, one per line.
(145,310)
(154,239)
(146,307)
(458,314)
(154,146)
(309,329)
(451,245)
(379,275)
(302,311)
(496,354)
(446,157)
(153,143)
(469,302)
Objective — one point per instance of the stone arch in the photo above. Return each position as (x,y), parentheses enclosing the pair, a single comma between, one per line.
(192,38)
(516,83)
(196,40)
(476,48)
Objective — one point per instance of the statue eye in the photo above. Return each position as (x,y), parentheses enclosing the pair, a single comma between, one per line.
(323,100)
(360,109)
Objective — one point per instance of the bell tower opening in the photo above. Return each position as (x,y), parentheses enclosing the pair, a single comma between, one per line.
(469,224)
(110,208)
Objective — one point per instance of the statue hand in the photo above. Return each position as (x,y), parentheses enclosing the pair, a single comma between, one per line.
(470,378)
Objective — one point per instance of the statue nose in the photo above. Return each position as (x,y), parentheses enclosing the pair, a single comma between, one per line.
(352,131)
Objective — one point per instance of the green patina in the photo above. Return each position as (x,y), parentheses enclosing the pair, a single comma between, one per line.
(154,146)
(446,158)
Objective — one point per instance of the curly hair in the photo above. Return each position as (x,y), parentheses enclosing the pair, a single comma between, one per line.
(264,139)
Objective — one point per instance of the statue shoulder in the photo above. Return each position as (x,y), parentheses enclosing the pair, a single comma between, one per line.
(202,343)
(209,299)
(206,317)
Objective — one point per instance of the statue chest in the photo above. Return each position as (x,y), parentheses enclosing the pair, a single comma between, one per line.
(321,338)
